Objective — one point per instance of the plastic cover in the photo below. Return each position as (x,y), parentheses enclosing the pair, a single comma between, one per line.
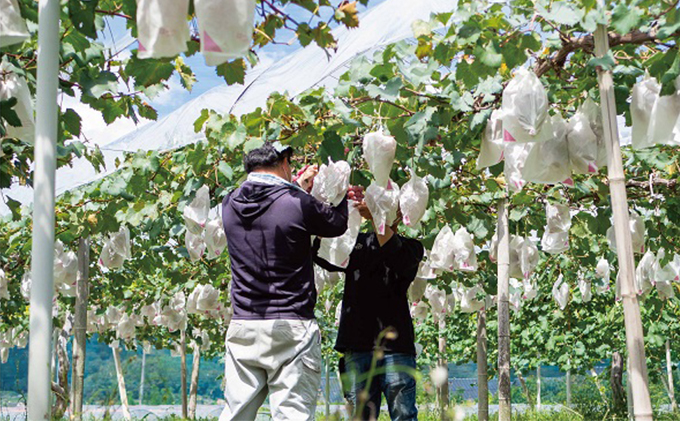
(225,28)
(162,27)
(379,150)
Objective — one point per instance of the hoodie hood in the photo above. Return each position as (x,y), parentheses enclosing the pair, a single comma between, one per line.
(253,199)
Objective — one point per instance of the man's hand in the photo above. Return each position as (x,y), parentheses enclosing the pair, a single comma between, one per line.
(362,207)
(305,177)
(397,220)
(355,193)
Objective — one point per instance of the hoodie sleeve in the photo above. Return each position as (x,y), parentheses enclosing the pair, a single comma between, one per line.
(324,220)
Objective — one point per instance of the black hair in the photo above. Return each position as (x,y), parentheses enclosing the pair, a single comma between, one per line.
(266,156)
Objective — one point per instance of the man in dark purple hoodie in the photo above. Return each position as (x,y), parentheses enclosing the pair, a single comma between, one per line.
(273,341)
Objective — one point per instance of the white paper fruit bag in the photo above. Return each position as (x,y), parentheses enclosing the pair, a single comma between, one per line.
(331,183)
(469,302)
(413,199)
(560,292)
(65,270)
(525,109)
(441,257)
(215,239)
(196,212)
(464,257)
(548,161)
(558,217)
(195,246)
(162,27)
(14,86)
(585,287)
(417,289)
(383,204)
(116,249)
(12,26)
(645,273)
(583,147)
(225,28)
(4,293)
(336,251)
(603,273)
(379,150)
(643,98)
(491,150)
(528,258)
(516,155)
(637,232)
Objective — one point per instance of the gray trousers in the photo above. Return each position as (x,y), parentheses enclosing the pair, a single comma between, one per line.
(276,358)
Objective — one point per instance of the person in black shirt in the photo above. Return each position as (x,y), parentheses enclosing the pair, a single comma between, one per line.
(380,271)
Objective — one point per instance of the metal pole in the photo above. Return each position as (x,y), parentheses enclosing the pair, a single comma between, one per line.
(40,343)
(504,392)
(635,341)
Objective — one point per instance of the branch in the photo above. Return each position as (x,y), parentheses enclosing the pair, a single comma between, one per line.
(671,184)
(587,44)
(384,101)
(280,12)
(113,13)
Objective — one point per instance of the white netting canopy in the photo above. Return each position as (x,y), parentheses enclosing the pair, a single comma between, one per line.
(309,67)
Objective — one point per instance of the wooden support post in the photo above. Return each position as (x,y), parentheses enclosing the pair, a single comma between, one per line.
(504,392)
(669,373)
(80,329)
(538,387)
(617,187)
(183,372)
(193,389)
(443,389)
(122,391)
(482,374)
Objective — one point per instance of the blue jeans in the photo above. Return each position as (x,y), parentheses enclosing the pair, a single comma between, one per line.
(391,379)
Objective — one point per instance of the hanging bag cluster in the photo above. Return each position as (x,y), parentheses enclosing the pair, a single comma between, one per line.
(225,28)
